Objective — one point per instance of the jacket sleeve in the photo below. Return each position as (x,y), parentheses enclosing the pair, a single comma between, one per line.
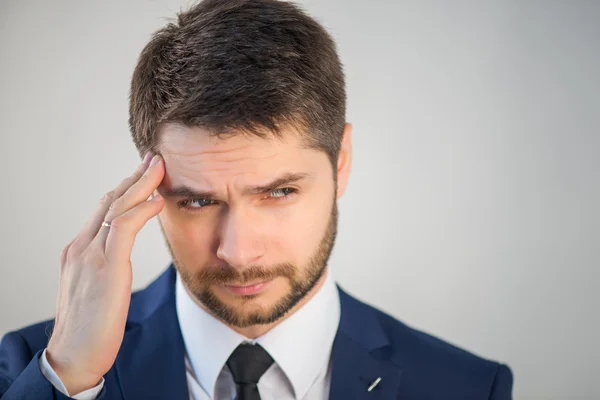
(50,374)
(503,384)
(20,375)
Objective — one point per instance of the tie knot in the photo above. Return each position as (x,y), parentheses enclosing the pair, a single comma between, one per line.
(248,363)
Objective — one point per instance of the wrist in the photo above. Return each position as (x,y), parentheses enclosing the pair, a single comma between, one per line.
(74,378)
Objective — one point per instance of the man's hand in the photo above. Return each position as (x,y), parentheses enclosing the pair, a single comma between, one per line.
(95,281)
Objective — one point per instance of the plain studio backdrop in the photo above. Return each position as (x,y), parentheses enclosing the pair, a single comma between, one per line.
(472,207)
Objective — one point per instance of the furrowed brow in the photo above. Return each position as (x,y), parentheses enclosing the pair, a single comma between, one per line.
(184,191)
(285,179)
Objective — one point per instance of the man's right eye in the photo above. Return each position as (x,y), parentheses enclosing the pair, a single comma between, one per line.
(195,204)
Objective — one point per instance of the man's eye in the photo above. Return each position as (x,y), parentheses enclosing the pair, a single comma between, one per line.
(283,192)
(195,203)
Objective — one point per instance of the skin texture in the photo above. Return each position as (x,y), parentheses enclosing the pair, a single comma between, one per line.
(242,238)
(239,238)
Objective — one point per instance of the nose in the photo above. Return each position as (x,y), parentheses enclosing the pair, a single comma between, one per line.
(240,244)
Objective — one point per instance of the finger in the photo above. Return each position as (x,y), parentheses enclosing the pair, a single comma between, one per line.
(136,194)
(93,225)
(139,191)
(124,229)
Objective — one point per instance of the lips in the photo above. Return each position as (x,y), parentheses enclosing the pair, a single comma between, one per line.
(248,289)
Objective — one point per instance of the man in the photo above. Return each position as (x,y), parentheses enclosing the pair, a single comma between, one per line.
(240,110)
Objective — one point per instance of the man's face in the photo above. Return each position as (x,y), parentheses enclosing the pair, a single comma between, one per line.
(247,250)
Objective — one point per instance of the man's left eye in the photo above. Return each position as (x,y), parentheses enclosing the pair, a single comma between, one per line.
(283,192)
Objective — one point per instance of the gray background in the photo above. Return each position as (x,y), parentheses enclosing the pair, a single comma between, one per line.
(471,211)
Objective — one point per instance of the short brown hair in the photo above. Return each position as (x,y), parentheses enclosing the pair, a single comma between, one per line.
(240,66)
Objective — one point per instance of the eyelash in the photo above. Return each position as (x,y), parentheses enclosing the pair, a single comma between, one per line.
(185,203)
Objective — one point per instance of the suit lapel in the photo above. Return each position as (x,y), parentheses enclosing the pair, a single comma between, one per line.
(355,365)
(355,370)
(151,362)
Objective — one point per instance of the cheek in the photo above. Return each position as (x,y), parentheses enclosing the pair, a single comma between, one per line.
(190,238)
(302,229)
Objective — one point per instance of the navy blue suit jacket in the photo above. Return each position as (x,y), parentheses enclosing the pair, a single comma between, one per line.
(369,344)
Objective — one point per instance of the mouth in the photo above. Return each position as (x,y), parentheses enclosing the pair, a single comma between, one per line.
(245,290)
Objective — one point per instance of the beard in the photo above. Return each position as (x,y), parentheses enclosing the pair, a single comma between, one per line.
(301,283)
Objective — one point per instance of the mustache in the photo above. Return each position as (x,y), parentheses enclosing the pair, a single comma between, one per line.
(229,275)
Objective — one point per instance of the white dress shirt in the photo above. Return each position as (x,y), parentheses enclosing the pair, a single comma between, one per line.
(300,346)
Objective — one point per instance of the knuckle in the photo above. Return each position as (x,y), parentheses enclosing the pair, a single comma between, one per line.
(63,254)
(72,249)
(120,222)
(116,204)
(107,198)
(65,249)
(72,256)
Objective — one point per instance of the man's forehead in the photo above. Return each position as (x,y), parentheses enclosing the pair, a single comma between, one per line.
(191,153)
(199,164)
(240,160)
(182,140)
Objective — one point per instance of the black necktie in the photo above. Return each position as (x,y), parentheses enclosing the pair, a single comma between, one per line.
(247,363)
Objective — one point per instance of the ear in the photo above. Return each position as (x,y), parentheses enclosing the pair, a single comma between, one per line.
(344,160)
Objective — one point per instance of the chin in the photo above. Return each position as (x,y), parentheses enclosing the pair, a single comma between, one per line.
(266,307)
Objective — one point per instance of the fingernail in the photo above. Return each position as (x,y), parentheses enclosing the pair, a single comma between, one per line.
(147,157)
(155,160)
(157,197)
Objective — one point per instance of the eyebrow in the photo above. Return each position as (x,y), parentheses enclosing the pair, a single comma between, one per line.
(188,192)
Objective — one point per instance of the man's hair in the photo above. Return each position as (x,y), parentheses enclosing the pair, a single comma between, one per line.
(231,66)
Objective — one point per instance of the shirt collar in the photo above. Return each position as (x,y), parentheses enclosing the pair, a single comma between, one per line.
(300,345)
(208,342)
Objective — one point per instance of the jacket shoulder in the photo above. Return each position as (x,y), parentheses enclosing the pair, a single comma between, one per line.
(432,364)
(427,347)
(34,337)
